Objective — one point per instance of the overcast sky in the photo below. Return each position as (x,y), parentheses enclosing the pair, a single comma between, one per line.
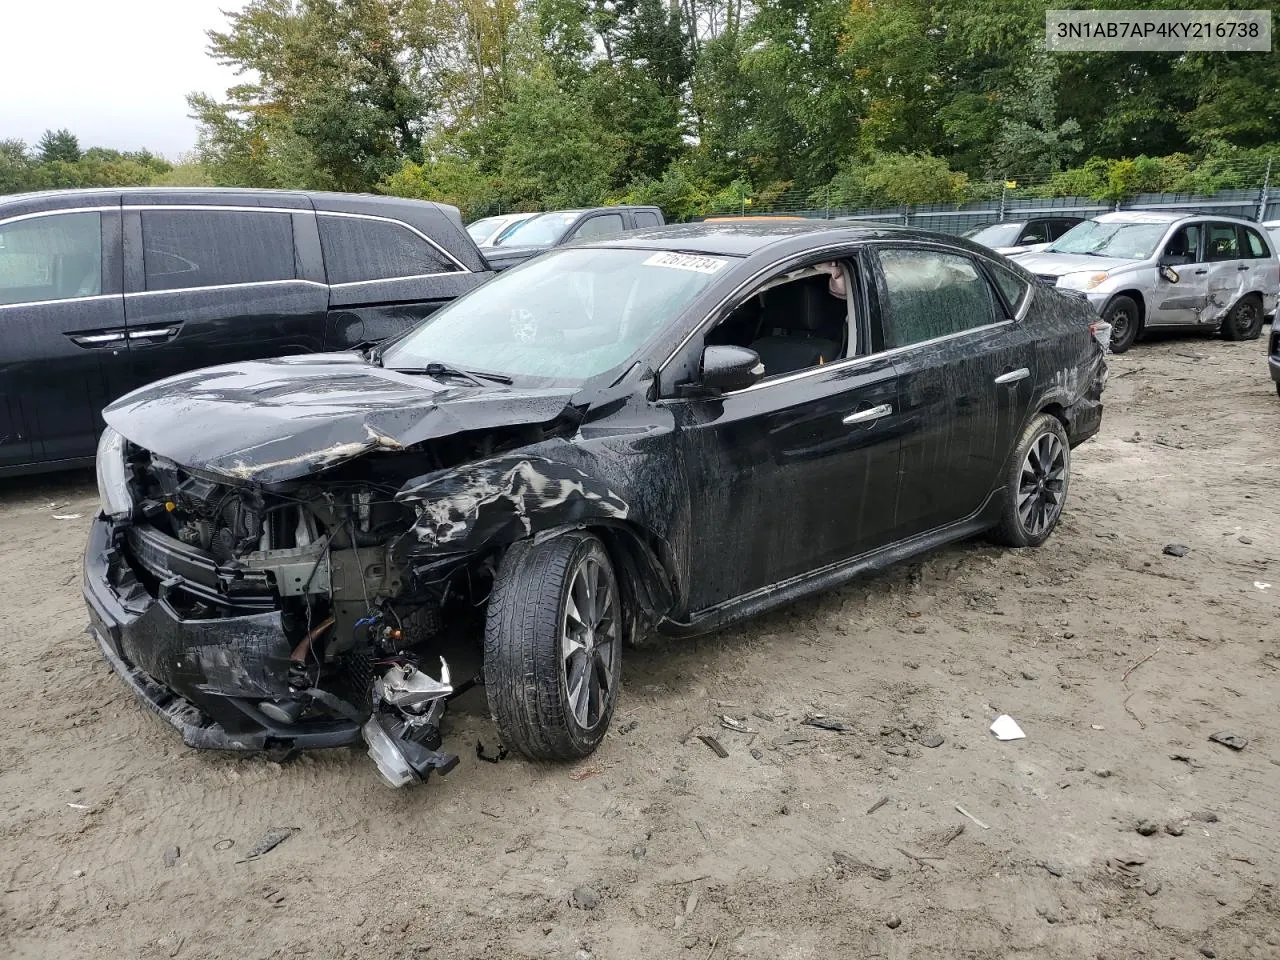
(114,72)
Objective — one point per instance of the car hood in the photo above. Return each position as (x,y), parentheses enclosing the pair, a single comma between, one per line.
(1060,264)
(275,420)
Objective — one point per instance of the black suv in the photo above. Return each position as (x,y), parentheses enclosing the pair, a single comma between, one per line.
(102,291)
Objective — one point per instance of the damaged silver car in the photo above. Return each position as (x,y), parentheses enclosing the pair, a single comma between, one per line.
(661,432)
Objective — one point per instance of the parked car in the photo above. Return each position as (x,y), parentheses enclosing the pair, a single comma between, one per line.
(1020,236)
(487,230)
(659,432)
(518,243)
(1146,270)
(102,291)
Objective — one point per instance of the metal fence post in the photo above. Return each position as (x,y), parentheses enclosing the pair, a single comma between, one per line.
(1262,196)
(906,215)
(1004,189)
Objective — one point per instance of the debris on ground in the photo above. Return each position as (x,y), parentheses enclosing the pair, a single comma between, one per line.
(1147,828)
(729,723)
(893,922)
(1231,740)
(932,740)
(1205,816)
(1053,868)
(490,758)
(757,753)
(1006,728)
(585,898)
(172,855)
(629,727)
(714,745)
(1173,829)
(1102,772)
(1152,887)
(826,723)
(269,841)
(67,516)
(1206,950)
(877,805)
(1175,550)
(763,715)
(966,813)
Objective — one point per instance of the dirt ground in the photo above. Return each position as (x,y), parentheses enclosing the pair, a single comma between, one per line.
(1118,661)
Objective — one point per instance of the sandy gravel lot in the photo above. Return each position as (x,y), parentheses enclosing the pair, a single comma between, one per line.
(1118,661)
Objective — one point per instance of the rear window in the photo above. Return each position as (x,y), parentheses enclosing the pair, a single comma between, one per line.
(1011,285)
(647,218)
(358,250)
(1254,245)
(57,257)
(182,249)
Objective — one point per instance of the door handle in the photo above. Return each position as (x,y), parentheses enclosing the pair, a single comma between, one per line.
(1200,273)
(868,415)
(1013,376)
(154,333)
(1243,266)
(96,339)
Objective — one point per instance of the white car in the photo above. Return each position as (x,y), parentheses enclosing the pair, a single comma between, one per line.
(1143,270)
(487,229)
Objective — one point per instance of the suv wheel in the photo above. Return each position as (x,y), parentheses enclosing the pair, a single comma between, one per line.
(553,646)
(1036,482)
(1123,315)
(1244,322)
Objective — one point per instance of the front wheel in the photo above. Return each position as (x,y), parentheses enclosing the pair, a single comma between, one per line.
(553,646)
(1036,482)
(1244,322)
(1122,314)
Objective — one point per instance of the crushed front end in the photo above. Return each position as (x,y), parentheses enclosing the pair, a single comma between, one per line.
(277,616)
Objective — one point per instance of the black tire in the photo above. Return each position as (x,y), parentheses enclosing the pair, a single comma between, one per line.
(1125,318)
(1278,389)
(525,672)
(1016,528)
(1244,322)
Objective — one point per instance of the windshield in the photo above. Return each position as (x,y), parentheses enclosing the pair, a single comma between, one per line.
(567,316)
(1126,241)
(995,235)
(482,228)
(543,231)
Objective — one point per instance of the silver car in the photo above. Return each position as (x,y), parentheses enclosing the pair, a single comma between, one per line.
(1146,270)
(486,231)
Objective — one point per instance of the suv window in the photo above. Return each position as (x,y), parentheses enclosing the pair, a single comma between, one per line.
(605,225)
(1037,231)
(647,218)
(1185,243)
(55,257)
(931,294)
(1058,227)
(1011,285)
(1224,243)
(182,249)
(357,250)
(1253,244)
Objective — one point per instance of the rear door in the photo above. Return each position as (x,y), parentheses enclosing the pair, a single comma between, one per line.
(966,370)
(209,285)
(62,327)
(384,276)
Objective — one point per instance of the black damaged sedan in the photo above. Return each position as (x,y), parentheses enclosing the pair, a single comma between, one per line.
(663,432)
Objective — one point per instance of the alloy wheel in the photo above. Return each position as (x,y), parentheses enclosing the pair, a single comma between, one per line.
(1043,484)
(590,638)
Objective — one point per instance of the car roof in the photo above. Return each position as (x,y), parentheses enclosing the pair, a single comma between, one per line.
(743,239)
(198,195)
(1161,216)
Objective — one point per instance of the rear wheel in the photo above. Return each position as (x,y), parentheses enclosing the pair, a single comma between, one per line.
(1244,322)
(1123,315)
(553,646)
(1036,482)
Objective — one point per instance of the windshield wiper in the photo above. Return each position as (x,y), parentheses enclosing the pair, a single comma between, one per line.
(434,369)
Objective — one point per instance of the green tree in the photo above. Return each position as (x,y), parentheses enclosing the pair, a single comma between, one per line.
(58,145)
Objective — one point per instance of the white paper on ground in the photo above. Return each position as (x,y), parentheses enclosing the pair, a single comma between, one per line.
(1006,728)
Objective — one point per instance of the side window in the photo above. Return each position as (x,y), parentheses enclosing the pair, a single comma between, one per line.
(1224,243)
(1037,231)
(357,250)
(606,225)
(1011,285)
(1058,227)
(795,321)
(1253,244)
(1185,244)
(931,294)
(208,248)
(51,258)
(647,218)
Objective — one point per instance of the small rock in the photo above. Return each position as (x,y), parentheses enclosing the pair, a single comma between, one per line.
(629,726)
(1152,887)
(678,782)
(171,856)
(756,753)
(1246,540)
(77,874)
(1175,550)
(1068,635)
(1147,828)
(879,873)
(584,898)
(1075,768)
(919,630)
(785,810)
(932,740)
(893,922)
(583,955)
(1205,816)
(897,750)
(1173,829)
(1207,950)
(911,664)
(639,851)
(1055,869)
(1028,675)
(1102,772)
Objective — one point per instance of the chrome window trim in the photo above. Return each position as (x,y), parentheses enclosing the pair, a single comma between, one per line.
(399,223)
(414,276)
(224,286)
(40,303)
(53,213)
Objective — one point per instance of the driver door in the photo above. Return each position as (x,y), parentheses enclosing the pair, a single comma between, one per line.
(1182,302)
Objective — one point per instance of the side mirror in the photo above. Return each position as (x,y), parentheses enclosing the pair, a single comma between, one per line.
(1169,273)
(730,368)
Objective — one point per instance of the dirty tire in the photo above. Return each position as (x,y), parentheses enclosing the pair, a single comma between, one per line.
(1043,435)
(1122,313)
(1244,322)
(526,679)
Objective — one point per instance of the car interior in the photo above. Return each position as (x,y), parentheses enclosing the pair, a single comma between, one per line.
(799,320)
(1184,246)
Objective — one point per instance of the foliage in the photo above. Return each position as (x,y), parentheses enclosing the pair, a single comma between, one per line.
(53,167)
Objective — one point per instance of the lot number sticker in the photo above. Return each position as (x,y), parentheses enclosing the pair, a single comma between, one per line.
(686,261)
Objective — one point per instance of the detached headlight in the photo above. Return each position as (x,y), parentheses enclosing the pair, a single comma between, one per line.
(113,485)
(1082,281)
